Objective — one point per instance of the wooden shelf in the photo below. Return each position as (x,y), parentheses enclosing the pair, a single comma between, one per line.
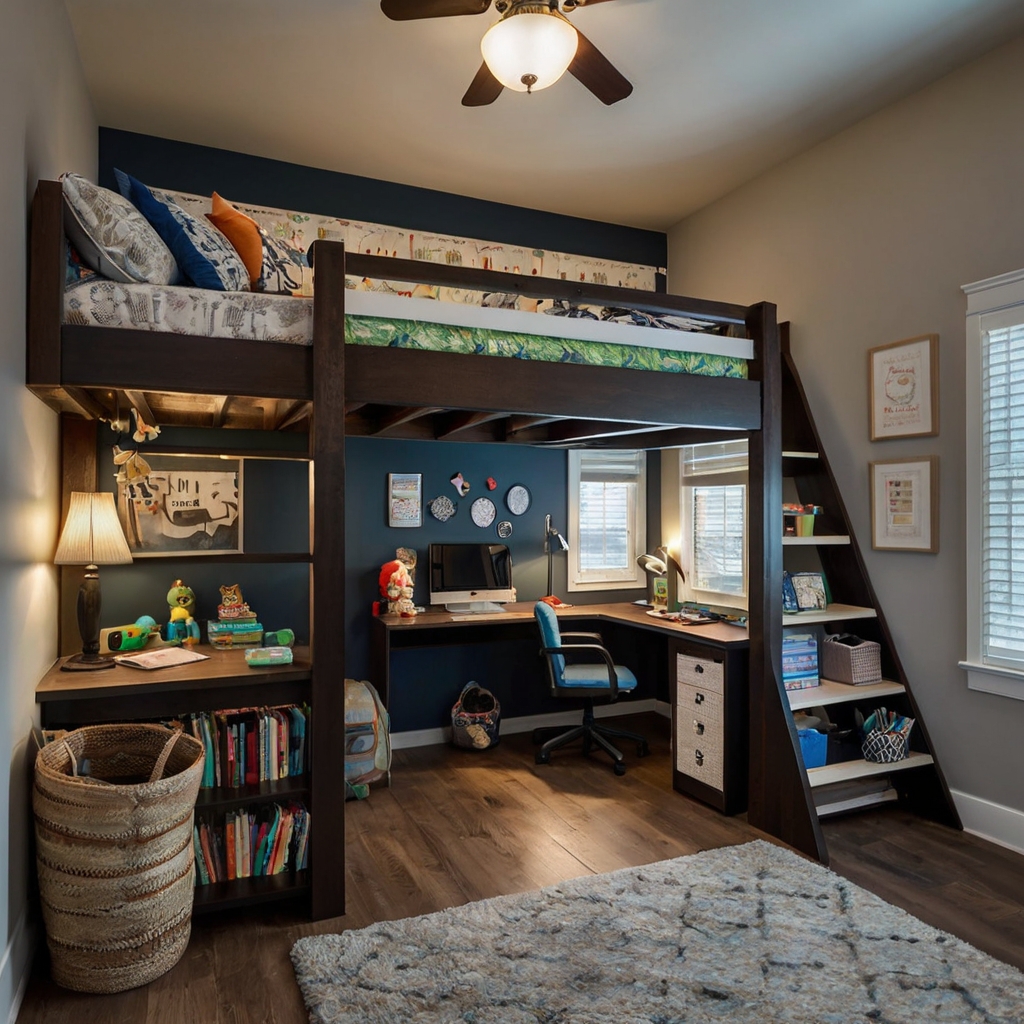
(242,891)
(295,787)
(799,455)
(831,692)
(816,541)
(860,769)
(832,613)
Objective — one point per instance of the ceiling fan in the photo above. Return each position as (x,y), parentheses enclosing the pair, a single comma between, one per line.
(530,48)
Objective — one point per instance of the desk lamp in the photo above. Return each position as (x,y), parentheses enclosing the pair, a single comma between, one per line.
(549,550)
(92,536)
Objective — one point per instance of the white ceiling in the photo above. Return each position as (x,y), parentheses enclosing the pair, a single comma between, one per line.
(723,90)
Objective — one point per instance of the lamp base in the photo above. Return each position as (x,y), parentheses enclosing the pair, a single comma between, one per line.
(87,663)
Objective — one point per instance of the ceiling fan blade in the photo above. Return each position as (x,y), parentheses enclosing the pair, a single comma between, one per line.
(484,89)
(591,67)
(412,10)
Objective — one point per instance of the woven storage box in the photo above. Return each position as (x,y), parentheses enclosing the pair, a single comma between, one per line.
(884,747)
(843,663)
(114,853)
(476,719)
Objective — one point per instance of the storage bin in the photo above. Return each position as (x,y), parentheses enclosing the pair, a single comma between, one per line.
(846,658)
(476,719)
(813,747)
(885,747)
(114,852)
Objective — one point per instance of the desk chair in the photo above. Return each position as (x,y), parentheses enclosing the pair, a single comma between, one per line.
(598,679)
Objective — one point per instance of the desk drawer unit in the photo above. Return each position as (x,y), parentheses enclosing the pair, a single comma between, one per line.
(709,724)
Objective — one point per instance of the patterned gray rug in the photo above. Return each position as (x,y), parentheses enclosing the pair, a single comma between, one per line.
(749,933)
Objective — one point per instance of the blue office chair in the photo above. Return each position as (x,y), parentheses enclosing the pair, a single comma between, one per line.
(598,679)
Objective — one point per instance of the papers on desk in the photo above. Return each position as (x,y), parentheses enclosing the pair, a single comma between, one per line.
(165,657)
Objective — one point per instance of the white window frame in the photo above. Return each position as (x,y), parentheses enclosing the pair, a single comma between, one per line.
(992,304)
(630,578)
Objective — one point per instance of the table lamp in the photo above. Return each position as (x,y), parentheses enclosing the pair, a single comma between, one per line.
(92,536)
(550,533)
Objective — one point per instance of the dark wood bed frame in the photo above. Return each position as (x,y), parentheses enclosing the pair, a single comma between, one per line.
(86,371)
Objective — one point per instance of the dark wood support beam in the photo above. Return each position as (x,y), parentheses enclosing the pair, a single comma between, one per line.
(89,406)
(517,424)
(220,408)
(398,417)
(295,414)
(455,423)
(141,406)
(571,431)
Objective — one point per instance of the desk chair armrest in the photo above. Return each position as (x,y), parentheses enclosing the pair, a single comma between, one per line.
(578,636)
(613,680)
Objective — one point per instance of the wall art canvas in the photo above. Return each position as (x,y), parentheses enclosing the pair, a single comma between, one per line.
(405,499)
(183,505)
(905,504)
(904,388)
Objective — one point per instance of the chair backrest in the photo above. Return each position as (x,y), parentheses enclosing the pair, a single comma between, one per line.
(550,637)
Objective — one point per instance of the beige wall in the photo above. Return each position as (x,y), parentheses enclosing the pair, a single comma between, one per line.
(863,240)
(47,126)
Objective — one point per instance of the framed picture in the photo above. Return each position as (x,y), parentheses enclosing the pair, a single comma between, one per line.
(405,499)
(903,382)
(181,505)
(905,504)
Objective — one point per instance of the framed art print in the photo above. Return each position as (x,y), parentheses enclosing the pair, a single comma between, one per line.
(405,499)
(905,504)
(903,382)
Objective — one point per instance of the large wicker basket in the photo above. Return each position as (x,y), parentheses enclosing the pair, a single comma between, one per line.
(114,852)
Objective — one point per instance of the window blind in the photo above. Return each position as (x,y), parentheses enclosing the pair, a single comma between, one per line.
(719,515)
(1002,497)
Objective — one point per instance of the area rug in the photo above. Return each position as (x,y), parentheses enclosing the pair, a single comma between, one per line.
(748,933)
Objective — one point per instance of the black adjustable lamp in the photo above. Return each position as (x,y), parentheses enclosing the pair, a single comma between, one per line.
(549,549)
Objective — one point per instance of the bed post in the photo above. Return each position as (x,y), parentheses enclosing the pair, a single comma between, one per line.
(780,801)
(328,590)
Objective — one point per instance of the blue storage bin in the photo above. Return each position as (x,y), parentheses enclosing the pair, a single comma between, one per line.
(813,747)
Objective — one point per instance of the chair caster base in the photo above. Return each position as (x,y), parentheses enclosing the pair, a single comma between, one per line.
(642,749)
(619,768)
(542,758)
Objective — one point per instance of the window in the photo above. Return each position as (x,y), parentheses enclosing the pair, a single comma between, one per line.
(714,520)
(995,489)
(607,519)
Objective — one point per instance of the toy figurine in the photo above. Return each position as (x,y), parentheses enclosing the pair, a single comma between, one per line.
(182,625)
(396,585)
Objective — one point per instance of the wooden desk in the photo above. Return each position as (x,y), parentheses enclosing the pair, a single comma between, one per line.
(707,681)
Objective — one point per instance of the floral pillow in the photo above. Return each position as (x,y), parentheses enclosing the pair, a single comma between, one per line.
(112,237)
(205,256)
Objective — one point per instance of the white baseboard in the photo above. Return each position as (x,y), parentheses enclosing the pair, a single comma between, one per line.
(994,822)
(527,723)
(16,965)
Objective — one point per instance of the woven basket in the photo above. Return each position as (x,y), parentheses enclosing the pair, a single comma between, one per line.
(884,747)
(861,663)
(114,853)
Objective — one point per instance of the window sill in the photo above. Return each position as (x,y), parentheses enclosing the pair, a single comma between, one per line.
(1004,682)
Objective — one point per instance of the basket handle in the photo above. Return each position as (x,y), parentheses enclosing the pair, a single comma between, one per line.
(71,755)
(161,761)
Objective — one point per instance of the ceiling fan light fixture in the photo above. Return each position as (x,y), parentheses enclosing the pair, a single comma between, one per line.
(530,48)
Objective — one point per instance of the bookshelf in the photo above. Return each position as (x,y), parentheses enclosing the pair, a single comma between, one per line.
(916,782)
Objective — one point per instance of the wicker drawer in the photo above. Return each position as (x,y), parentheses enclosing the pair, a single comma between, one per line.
(696,702)
(700,756)
(704,672)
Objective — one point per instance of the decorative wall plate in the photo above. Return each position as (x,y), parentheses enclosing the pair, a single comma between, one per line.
(443,508)
(518,498)
(504,529)
(483,511)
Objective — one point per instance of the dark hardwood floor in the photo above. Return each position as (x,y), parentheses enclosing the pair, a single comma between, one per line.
(457,826)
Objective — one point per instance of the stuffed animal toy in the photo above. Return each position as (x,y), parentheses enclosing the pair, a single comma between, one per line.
(396,585)
(181,625)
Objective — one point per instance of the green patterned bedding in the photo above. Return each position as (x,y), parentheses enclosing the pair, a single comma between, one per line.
(370,330)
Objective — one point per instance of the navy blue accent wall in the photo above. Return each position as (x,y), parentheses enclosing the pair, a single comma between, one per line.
(263,182)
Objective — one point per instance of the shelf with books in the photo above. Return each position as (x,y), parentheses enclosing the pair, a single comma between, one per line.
(832,613)
(830,692)
(241,892)
(295,787)
(819,540)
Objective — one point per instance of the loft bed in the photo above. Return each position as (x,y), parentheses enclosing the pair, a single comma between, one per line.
(368,390)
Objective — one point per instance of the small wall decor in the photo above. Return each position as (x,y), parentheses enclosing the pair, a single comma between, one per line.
(905,504)
(443,508)
(483,511)
(518,499)
(903,382)
(181,504)
(504,529)
(405,499)
(491,483)
(460,484)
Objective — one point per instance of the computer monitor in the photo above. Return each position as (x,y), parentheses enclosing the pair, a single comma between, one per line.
(471,577)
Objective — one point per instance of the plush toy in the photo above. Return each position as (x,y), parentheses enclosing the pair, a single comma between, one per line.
(181,625)
(396,585)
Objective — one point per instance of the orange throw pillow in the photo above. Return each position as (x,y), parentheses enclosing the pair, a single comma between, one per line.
(242,232)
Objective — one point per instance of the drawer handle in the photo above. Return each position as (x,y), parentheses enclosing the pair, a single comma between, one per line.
(698,756)
(698,727)
(699,699)
(699,669)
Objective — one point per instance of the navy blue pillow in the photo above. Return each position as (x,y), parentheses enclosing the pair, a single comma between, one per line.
(204,257)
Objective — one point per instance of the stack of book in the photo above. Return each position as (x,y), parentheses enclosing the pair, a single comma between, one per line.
(247,746)
(235,625)
(252,842)
(799,661)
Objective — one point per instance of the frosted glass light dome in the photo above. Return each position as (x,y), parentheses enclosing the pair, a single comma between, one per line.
(528,51)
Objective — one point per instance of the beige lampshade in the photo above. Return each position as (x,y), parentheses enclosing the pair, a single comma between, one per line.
(92,534)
